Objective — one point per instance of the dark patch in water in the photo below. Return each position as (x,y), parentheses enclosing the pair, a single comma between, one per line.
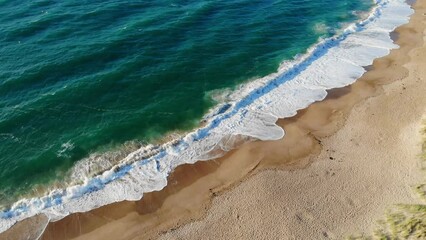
(368,68)
(394,36)
(410,2)
(224,108)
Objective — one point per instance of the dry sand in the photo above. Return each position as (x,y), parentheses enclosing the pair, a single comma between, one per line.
(371,163)
(342,162)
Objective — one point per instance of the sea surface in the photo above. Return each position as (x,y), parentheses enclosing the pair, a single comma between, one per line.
(87,85)
(81,77)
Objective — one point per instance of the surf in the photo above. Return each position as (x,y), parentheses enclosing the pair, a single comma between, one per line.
(249,113)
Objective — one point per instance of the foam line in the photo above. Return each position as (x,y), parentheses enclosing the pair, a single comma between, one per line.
(250,114)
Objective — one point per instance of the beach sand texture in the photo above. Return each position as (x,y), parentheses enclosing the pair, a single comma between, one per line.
(342,163)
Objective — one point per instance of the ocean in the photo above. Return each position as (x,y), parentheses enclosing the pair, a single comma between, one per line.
(101,100)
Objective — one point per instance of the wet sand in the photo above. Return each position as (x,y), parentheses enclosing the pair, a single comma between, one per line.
(342,163)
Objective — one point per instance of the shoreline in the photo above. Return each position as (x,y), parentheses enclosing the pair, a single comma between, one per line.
(304,137)
(59,191)
(146,169)
(394,89)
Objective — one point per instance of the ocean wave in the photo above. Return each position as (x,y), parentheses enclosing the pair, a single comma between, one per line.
(250,113)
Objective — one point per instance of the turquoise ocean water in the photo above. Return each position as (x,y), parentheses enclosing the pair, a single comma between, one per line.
(85,77)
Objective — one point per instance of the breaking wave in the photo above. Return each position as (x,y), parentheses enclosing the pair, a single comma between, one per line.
(250,112)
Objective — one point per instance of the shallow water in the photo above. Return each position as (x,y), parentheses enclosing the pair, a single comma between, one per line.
(78,78)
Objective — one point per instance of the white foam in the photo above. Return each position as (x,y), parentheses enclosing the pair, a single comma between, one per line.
(251,113)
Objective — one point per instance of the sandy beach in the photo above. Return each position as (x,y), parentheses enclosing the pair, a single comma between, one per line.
(343,163)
